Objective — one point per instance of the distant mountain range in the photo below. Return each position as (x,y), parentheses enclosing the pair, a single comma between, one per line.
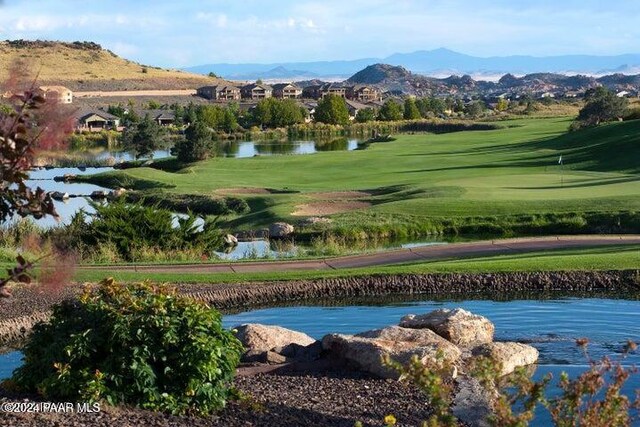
(399,80)
(438,62)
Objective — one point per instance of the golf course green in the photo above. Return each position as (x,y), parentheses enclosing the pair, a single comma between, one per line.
(511,175)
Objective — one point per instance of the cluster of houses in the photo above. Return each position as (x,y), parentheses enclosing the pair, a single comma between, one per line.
(257,91)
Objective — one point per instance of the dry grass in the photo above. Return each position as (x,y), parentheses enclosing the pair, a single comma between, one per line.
(95,70)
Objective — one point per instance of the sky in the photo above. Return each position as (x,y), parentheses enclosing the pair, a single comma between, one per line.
(180,33)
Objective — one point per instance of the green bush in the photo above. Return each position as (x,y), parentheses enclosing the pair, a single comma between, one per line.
(131,227)
(139,344)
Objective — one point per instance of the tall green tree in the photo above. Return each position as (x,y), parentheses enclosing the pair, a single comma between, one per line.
(197,144)
(332,109)
(601,106)
(411,111)
(474,109)
(144,137)
(390,111)
(365,115)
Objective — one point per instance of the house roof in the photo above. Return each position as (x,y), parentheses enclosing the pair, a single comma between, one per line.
(281,86)
(253,86)
(355,105)
(82,115)
(59,89)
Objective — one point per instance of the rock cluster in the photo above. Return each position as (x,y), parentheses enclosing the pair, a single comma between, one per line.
(455,337)
(451,338)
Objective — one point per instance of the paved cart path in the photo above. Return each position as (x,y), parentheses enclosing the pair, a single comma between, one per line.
(397,256)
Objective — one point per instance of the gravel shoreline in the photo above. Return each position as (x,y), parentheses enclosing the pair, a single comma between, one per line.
(328,396)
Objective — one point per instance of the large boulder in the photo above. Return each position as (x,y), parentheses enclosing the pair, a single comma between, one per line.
(510,355)
(367,349)
(230,240)
(117,193)
(280,230)
(458,326)
(261,338)
(417,337)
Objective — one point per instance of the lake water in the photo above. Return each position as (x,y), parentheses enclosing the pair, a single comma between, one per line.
(244,149)
(550,325)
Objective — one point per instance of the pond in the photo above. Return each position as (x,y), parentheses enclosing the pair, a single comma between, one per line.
(277,249)
(244,149)
(550,325)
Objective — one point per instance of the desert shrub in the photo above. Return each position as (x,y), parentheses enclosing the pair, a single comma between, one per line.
(129,227)
(139,344)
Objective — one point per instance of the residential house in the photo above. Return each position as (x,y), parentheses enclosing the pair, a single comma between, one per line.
(59,93)
(363,93)
(286,90)
(96,120)
(333,89)
(256,91)
(354,107)
(161,117)
(311,92)
(219,92)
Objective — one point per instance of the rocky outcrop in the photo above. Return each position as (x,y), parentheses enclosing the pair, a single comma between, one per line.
(458,326)
(280,229)
(509,355)
(259,340)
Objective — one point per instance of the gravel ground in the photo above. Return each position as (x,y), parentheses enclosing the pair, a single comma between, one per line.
(330,396)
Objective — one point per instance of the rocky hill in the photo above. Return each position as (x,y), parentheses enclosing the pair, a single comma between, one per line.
(397,79)
(86,66)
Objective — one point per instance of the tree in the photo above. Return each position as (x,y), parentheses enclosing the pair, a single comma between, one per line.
(273,113)
(196,145)
(332,110)
(601,106)
(143,138)
(411,111)
(474,109)
(212,75)
(502,104)
(365,115)
(390,111)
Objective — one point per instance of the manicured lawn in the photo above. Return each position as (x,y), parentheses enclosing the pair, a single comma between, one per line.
(609,258)
(509,171)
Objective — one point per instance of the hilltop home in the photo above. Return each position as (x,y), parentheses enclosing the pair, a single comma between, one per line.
(363,93)
(286,90)
(256,91)
(59,93)
(96,120)
(221,92)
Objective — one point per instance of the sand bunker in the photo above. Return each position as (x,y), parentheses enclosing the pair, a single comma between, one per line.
(329,207)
